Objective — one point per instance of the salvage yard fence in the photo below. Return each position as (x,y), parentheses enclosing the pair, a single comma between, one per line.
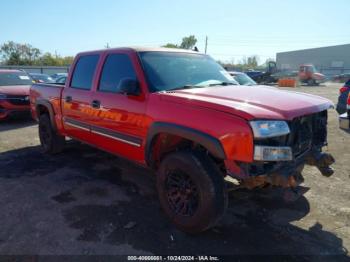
(331,71)
(38,69)
(328,71)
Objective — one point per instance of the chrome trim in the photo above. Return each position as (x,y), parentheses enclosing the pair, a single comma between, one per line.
(116,138)
(76,126)
(113,135)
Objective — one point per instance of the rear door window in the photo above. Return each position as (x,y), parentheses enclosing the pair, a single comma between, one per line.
(115,68)
(84,72)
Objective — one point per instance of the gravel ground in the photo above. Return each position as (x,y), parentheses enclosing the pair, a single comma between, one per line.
(85,201)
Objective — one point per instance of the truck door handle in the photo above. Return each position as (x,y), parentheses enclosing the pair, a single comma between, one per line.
(68,99)
(96,104)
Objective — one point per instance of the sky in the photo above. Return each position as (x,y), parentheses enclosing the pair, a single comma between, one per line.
(235,28)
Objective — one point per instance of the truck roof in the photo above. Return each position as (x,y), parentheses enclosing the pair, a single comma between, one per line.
(143,49)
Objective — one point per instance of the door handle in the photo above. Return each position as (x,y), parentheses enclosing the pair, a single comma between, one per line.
(68,99)
(96,104)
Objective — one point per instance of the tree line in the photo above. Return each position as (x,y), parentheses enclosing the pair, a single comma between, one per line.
(13,53)
(246,63)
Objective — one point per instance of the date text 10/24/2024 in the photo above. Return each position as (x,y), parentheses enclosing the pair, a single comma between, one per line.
(173,258)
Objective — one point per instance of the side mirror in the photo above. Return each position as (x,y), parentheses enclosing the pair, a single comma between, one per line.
(129,86)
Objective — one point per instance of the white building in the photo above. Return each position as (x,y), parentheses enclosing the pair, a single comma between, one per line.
(330,60)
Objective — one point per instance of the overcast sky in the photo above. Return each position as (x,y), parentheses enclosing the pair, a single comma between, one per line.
(235,28)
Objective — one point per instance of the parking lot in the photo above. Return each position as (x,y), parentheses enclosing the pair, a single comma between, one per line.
(85,201)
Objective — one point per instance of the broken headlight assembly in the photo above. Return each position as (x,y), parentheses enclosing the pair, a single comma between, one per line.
(267,128)
(263,129)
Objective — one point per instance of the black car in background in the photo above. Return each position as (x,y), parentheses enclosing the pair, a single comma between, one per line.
(41,78)
(343,96)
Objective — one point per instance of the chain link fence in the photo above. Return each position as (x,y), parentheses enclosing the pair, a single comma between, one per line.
(49,70)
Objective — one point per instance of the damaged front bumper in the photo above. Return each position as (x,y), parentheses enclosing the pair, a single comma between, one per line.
(283,174)
(279,161)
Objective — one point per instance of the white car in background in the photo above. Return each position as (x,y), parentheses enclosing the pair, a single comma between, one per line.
(242,78)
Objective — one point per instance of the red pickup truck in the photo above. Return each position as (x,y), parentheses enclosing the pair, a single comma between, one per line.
(181,114)
(309,75)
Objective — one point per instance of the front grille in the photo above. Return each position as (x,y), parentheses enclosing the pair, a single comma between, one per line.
(308,131)
(18,100)
(305,132)
(301,135)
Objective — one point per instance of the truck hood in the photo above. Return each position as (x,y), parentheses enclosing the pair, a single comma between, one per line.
(15,90)
(251,102)
(319,76)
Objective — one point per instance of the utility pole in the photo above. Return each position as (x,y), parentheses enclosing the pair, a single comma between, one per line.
(206,44)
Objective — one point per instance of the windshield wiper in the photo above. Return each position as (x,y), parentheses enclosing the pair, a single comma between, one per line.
(183,87)
(223,84)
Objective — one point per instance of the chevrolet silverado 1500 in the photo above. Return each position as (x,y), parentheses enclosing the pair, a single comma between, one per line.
(181,114)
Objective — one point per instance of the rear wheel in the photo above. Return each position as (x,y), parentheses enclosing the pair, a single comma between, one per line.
(311,82)
(51,142)
(191,191)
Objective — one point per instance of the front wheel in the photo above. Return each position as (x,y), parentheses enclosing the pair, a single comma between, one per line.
(191,191)
(51,142)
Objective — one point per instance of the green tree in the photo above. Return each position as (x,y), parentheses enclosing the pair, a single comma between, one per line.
(170,45)
(252,61)
(19,54)
(188,42)
(47,59)
(12,53)
(66,60)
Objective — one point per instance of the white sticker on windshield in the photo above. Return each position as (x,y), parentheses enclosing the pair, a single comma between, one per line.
(226,74)
(24,77)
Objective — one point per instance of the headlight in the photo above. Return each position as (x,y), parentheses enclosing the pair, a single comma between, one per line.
(269,153)
(267,128)
(2,96)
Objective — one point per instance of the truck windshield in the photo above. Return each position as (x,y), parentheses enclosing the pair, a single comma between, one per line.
(174,70)
(14,79)
(312,69)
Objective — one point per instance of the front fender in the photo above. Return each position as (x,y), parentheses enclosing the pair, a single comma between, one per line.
(212,144)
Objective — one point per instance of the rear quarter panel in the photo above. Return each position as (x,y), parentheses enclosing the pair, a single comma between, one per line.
(49,93)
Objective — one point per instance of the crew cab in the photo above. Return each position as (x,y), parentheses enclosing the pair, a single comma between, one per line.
(181,114)
(14,93)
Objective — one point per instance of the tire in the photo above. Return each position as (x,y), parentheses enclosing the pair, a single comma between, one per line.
(203,199)
(311,82)
(51,142)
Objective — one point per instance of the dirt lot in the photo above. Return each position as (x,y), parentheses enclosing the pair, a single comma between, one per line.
(85,201)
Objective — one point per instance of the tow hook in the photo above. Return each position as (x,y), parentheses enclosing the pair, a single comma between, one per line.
(322,161)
